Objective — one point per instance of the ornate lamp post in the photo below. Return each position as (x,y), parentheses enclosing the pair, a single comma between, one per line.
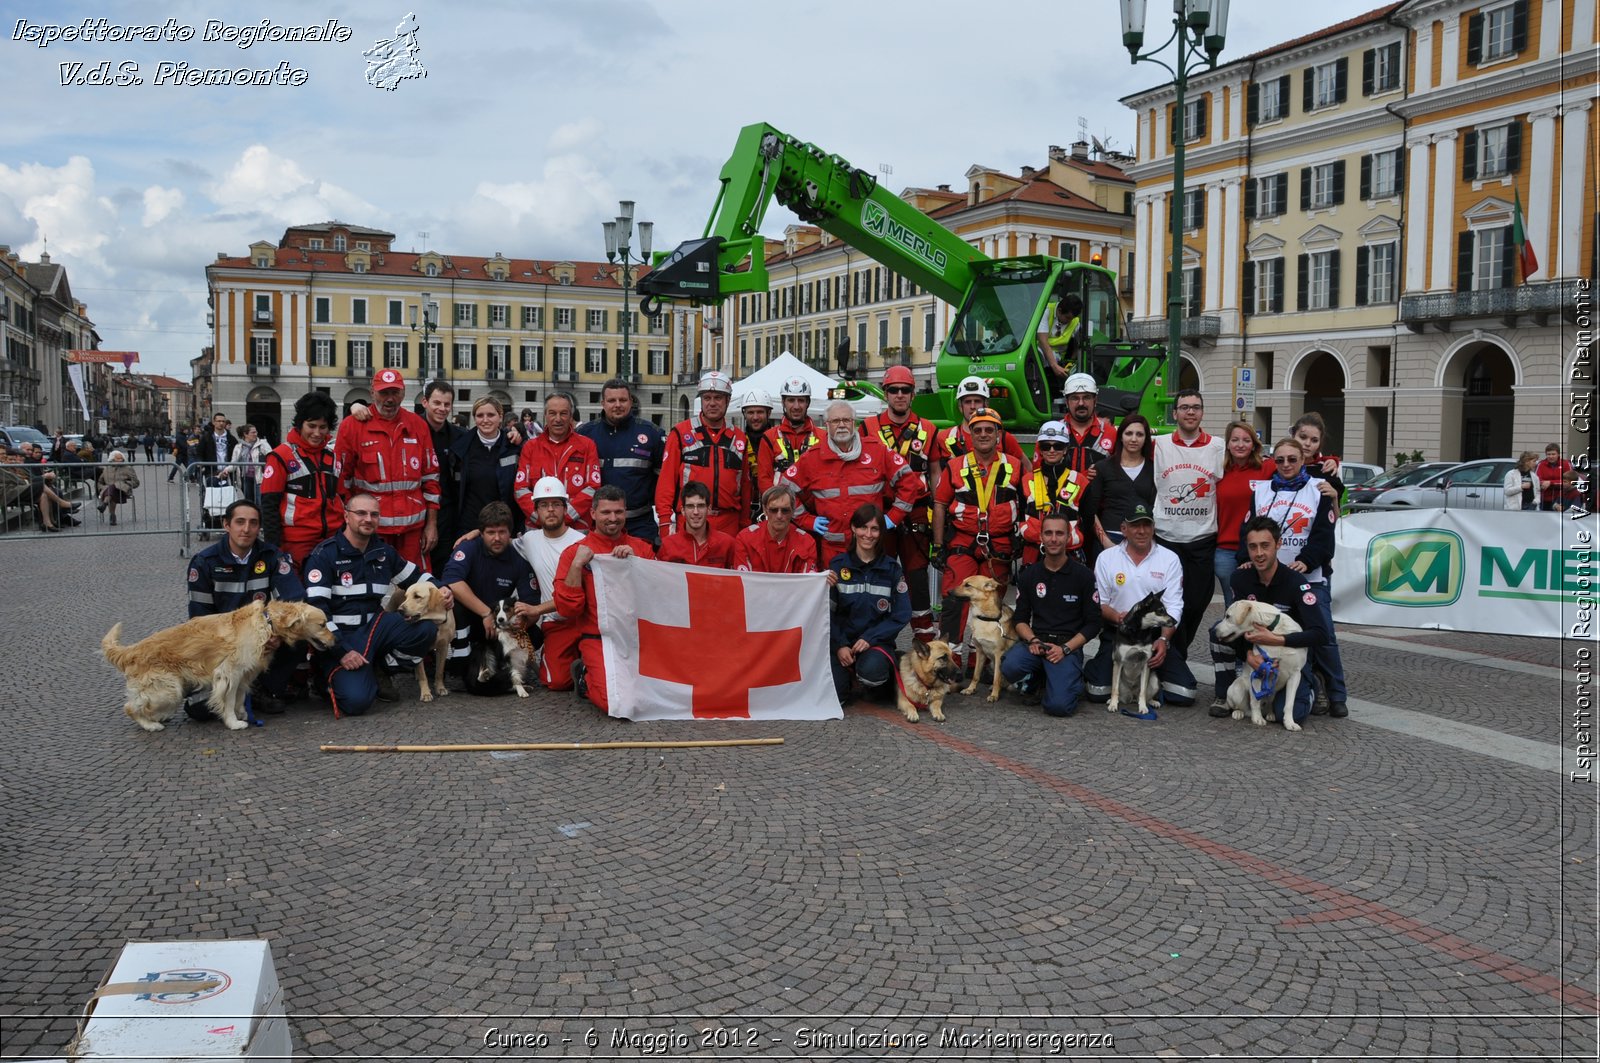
(426,328)
(619,234)
(1199,28)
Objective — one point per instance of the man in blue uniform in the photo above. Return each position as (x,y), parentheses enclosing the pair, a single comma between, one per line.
(233,572)
(347,577)
(1057,613)
(479,574)
(1268,581)
(630,456)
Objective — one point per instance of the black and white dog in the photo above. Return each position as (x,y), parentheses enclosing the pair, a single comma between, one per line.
(513,651)
(1132,678)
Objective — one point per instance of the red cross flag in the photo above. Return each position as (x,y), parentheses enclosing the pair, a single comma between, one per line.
(689,643)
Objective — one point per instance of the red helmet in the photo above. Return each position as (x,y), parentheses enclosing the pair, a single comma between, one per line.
(899,374)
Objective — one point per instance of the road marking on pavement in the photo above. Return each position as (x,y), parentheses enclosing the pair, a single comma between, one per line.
(1544,671)
(1546,756)
(1333,898)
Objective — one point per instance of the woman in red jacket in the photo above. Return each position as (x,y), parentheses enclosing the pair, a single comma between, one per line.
(1241,468)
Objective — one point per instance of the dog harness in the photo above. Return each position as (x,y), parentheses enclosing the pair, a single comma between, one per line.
(899,680)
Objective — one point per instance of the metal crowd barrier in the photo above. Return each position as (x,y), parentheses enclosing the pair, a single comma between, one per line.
(170,500)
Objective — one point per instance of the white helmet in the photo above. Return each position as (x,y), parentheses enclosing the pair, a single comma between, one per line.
(712,380)
(972,385)
(549,487)
(796,387)
(1080,382)
(1052,432)
(758,398)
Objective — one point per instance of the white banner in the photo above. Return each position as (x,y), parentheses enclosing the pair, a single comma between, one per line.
(1500,571)
(688,643)
(75,373)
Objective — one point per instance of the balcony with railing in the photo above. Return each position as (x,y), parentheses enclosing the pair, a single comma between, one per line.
(499,372)
(1202,329)
(1533,301)
(565,376)
(358,370)
(255,368)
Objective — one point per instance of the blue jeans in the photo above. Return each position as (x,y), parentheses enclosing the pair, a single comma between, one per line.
(1325,660)
(1063,682)
(1227,563)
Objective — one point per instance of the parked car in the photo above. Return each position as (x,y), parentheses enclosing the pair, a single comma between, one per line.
(14,436)
(1470,485)
(1358,472)
(1408,475)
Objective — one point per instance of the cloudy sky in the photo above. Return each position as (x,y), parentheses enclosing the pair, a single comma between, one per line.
(534,119)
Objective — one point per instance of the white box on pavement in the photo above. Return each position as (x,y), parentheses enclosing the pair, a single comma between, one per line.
(177,1001)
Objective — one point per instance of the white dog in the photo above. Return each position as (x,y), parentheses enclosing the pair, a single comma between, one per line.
(1244,616)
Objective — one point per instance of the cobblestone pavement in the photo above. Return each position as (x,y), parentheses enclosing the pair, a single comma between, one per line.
(1105,887)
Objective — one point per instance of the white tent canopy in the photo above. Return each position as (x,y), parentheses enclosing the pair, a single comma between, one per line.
(770,378)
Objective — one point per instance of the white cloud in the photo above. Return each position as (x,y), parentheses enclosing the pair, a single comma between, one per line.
(62,204)
(159,203)
(532,217)
(264,183)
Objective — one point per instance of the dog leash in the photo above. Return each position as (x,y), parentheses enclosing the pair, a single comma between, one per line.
(365,652)
(1264,678)
(899,680)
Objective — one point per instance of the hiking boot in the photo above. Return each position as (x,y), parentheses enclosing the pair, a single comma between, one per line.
(1220,708)
(1338,710)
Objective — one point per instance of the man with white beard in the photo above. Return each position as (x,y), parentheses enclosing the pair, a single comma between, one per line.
(831,481)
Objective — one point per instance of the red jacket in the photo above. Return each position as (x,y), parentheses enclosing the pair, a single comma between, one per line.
(574,461)
(797,552)
(959,493)
(393,460)
(827,485)
(576,604)
(1050,489)
(720,550)
(781,447)
(300,494)
(714,458)
(917,441)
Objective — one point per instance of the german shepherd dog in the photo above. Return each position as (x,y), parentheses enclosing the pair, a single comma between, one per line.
(927,674)
(989,628)
(1132,678)
(516,648)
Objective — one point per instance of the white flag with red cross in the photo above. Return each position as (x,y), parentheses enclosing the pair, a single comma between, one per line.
(688,643)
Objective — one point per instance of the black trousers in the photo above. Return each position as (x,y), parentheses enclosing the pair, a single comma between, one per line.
(1199,576)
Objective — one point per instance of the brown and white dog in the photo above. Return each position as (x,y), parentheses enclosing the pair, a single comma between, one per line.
(425,601)
(225,652)
(927,673)
(989,628)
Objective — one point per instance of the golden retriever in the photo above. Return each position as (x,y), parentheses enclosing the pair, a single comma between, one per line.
(425,601)
(989,628)
(225,652)
(927,674)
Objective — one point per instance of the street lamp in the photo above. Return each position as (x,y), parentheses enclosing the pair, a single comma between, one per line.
(427,327)
(1197,26)
(619,234)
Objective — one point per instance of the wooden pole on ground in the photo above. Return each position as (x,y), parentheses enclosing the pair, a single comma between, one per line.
(545,746)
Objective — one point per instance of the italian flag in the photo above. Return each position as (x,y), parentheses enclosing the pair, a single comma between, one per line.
(1528,261)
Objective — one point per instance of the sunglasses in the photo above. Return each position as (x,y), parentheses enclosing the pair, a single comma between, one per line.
(1287,459)
(1052,446)
(898,389)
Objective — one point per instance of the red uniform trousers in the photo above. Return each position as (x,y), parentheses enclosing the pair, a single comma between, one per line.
(408,544)
(911,547)
(727,521)
(594,671)
(559,651)
(299,547)
(960,565)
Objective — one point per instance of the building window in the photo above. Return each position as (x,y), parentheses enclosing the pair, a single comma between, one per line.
(1268,100)
(1194,119)
(396,310)
(324,310)
(363,245)
(596,321)
(1267,197)
(432,358)
(861,336)
(339,243)
(1264,286)
(1194,209)
(1375,274)
(322,352)
(432,270)
(744,353)
(1380,175)
(1490,258)
(564,318)
(360,355)
(905,332)
(1319,281)
(1499,24)
(532,358)
(566,360)
(927,331)
(261,350)
(658,361)
(358,267)
(466,356)
(1322,186)
(657,326)
(1380,69)
(1327,84)
(499,358)
(883,335)
(358,311)
(627,361)
(315,243)
(533,317)
(263,307)
(499,315)
(1191,292)
(594,359)
(1494,154)
(467,315)
(394,354)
